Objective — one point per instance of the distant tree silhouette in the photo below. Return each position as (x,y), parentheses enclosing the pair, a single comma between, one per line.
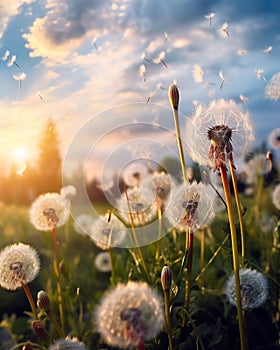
(49,177)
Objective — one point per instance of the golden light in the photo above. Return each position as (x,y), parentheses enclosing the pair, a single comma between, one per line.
(20,155)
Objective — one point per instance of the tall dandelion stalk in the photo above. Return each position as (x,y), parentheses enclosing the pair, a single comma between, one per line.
(227,128)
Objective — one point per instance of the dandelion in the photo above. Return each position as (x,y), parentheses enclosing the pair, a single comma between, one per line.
(209,17)
(19,263)
(129,315)
(226,127)
(190,205)
(6,55)
(197,73)
(224,30)
(274,138)
(276,196)
(83,223)
(260,74)
(107,232)
(158,186)
(103,262)
(272,89)
(160,59)
(48,211)
(68,344)
(134,172)
(137,205)
(254,289)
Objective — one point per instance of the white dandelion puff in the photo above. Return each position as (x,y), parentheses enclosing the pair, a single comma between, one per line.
(274,138)
(83,223)
(19,263)
(48,211)
(103,262)
(67,344)
(253,288)
(134,173)
(129,315)
(272,89)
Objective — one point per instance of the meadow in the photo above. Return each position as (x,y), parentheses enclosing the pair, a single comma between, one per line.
(188,265)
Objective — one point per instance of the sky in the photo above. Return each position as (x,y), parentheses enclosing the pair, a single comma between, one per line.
(101,69)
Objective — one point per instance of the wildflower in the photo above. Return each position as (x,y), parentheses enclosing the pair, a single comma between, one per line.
(83,223)
(225,126)
(129,314)
(67,344)
(108,231)
(49,210)
(190,205)
(254,289)
(19,263)
(274,138)
(158,186)
(103,262)
(276,196)
(138,205)
(272,89)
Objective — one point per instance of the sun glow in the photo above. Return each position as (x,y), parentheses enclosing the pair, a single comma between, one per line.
(20,155)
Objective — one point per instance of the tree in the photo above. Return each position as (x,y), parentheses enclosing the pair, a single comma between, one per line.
(49,168)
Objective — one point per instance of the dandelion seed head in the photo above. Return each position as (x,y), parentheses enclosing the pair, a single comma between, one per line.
(276,196)
(134,172)
(272,89)
(19,263)
(190,205)
(274,138)
(106,233)
(129,314)
(227,129)
(253,286)
(102,262)
(83,223)
(67,344)
(139,205)
(49,210)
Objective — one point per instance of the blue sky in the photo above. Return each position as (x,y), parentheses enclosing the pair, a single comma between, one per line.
(82,57)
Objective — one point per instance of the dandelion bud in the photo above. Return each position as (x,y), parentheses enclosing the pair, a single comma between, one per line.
(166,277)
(269,156)
(62,267)
(173,93)
(43,301)
(40,329)
(27,346)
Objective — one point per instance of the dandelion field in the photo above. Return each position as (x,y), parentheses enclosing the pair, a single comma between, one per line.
(187,263)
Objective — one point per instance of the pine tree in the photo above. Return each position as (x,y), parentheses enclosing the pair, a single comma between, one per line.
(49,161)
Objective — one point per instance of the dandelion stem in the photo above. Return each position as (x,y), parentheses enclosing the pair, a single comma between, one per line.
(167,317)
(55,323)
(159,233)
(189,268)
(239,211)
(30,299)
(202,252)
(113,277)
(235,257)
(179,143)
(57,275)
(138,248)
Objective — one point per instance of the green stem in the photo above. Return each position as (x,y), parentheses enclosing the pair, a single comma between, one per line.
(202,253)
(57,275)
(113,275)
(239,211)
(189,269)
(167,317)
(157,255)
(234,255)
(179,143)
(30,299)
(55,323)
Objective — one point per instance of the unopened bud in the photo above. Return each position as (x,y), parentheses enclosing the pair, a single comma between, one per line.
(173,93)
(166,277)
(43,301)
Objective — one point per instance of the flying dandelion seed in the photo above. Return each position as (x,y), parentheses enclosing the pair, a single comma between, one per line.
(224,30)
(19,77)
(142,72)
(143,57)
(160,59)
(197,73)
(260,74)
(243,98)
(268,50)
(166,37)
(13,62)
(223,80)
(93,42)
(6,55)
(209,17)
(242,52)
